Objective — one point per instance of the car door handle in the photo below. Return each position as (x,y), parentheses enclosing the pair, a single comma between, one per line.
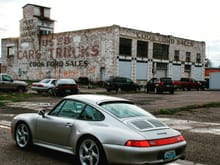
(68,125)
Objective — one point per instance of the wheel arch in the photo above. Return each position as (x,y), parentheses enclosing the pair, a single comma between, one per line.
(22,122)
(29,142)
(20,88)
(80,139)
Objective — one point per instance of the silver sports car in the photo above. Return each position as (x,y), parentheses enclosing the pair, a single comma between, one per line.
(100,129)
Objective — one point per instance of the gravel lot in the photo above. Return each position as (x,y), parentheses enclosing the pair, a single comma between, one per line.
(202,148)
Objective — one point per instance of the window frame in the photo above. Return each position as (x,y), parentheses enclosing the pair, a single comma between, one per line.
(125,46)
(142,49)
(161,51)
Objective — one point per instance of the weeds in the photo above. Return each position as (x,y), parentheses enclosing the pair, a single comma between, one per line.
(14,97)
(171,111)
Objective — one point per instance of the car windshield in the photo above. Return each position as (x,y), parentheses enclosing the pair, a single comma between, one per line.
(167,80)
(45,81)
(66,81)
(124,109)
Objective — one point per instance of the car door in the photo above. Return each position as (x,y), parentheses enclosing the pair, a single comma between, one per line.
(57,125)
(7,83)
(130,85)
(151,84)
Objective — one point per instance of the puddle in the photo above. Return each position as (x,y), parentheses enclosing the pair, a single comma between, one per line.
(193,126)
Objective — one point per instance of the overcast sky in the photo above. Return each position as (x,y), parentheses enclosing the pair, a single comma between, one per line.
(192,19)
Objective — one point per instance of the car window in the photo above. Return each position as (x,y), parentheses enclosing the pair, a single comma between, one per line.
(53,82)
(124,109)
(45,81)
(153,80)
(129,81)
(6,78)
(68,108)
(166,80)
(66,81)
(91,114)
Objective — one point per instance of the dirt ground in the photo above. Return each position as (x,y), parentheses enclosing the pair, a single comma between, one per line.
(201,148)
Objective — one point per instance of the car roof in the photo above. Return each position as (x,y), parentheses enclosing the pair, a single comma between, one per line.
(95,98)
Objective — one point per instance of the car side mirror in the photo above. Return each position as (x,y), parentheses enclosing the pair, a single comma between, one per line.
(42,112)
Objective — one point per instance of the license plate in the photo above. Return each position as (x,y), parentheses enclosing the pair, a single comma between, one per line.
(170,154)
(68,91)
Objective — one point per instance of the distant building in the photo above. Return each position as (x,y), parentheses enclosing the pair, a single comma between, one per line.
(97,53)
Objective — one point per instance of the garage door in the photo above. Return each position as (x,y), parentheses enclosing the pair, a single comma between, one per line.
(176,73)
(161,70)
(124,68)
(141,70)
(198,73)
(214,81)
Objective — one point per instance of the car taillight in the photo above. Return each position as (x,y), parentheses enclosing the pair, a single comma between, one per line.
(137,143)
(37,85)
(155,142)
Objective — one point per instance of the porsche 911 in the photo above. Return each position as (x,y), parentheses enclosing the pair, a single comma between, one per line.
(98,130)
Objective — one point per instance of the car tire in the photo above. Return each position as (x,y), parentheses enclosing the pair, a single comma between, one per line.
(90,151)
(23,136)
(119,89)
(108,90)
(145,90)
(137,89)
(50,91)
(155,90)
(20,89)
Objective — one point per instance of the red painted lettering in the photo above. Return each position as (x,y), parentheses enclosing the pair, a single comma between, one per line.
(59,53)
(95,50)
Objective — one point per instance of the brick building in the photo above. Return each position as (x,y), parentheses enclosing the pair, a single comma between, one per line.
(97,53)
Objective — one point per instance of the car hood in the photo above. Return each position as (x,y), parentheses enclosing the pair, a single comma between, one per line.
(26,116)
(150,128)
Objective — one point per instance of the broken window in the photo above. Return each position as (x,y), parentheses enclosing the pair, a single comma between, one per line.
(142,48)
(125,46)
(160,51)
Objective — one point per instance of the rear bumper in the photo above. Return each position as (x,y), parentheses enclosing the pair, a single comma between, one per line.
(39,89)
(142,156)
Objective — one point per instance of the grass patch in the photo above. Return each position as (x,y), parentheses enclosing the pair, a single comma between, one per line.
(171,111)
(14,97)
(2,104)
